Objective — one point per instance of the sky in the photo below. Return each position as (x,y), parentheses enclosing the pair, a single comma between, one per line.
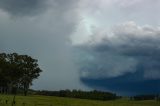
(108,45)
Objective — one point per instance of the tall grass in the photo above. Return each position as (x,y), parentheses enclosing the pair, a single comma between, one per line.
(36,100)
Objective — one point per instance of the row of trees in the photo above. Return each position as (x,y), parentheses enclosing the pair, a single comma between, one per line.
(17,72)
(146,97)
(94,95)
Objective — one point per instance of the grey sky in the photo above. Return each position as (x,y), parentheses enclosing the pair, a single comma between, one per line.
(74,38)
(44,36)
(22,7)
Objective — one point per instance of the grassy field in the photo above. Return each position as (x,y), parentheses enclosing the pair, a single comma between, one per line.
(59,101)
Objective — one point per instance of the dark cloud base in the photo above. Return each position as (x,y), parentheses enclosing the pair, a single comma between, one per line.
(129,84)
(22,7)
(127,62)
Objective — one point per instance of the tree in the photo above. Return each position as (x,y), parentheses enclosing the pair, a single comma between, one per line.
(18,71)
(6,71)
(3,80)
(13,71)
(30,71)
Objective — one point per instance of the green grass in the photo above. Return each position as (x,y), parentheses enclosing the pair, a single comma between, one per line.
(59,101)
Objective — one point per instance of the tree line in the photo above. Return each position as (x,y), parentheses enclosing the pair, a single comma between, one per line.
(17,72)
(146,97)
(93,95)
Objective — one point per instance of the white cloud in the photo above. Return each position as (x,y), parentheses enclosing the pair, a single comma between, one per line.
(103,14)
(122,33)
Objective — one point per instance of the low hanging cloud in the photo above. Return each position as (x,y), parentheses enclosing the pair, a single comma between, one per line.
(127,52)
(43,36)
(125,60)
(34,7)
(125,49)
(23,7)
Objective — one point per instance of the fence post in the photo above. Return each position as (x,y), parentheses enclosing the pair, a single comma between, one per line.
(13,102)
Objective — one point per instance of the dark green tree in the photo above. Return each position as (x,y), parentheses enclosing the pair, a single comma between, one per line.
(13,71)
(29,70)
(3,79)
(18,71)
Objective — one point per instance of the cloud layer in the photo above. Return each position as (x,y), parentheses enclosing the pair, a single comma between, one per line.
(127,50)
(62,32)
(22,7)
(44,37)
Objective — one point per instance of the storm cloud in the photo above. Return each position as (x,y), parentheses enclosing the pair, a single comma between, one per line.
(86,44)
(44,37)
(128,52)
(23,7)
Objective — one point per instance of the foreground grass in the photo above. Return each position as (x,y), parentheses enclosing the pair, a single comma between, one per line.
(59,101)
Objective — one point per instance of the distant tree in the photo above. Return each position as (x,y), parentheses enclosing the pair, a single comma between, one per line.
(144,97)
(93,95)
